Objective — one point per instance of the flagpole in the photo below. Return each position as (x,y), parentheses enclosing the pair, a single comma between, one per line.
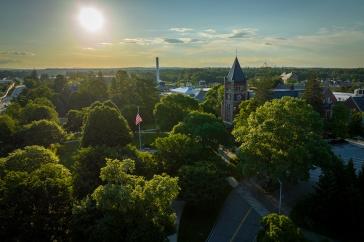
(140,139)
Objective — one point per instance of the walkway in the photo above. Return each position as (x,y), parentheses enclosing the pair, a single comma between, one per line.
(239,219)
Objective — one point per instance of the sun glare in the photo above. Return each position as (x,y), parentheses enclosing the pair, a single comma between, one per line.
(91,19)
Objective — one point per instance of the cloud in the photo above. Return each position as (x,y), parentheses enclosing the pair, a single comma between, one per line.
(105,43)
(16,53)
(142,41)
(211,31)
(173,41)
(88,48)
(243,33)
(181,30)
(268,43)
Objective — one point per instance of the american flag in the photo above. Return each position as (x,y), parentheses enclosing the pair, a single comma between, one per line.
(138,119)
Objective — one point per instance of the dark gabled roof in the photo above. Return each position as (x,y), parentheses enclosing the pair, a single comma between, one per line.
(236,73)
(359,101)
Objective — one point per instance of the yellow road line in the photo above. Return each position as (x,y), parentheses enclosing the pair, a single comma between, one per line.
(241,223)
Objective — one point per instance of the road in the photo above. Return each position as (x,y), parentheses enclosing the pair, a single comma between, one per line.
(239,219)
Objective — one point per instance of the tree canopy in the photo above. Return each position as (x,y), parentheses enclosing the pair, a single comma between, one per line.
(279,228)
(126,207)
(105,126)
(42,132)
(36,196)
(281,139)
(205,128)
(172,109)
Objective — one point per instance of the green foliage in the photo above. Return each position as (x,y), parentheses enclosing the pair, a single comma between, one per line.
(7,131)
(281,140)
(33,112)
(42,132)
(339,123)
(336,206)
(245,109)
(355,125)
(263,91)
(75,120)
(202,183)
(172,109)
(176,150)
(205,128)
(35,196)
(105,126)
(313,95)
(126,207)
(43,101)
(129,92)
(213,100)
(279,228)
(27,159)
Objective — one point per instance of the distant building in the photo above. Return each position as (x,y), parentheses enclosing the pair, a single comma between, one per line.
(197,93)
(356,102)
(235,91)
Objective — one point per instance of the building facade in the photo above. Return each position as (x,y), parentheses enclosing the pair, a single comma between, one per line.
(235,91)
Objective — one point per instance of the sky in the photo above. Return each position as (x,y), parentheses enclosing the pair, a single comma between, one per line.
(183,33)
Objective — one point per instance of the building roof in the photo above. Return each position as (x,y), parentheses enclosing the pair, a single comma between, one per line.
(342,96)
(236,73)
(359,102)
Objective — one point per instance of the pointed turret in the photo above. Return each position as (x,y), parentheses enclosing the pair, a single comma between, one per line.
(236,74)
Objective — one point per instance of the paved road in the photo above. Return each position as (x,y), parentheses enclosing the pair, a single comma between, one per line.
(239,219)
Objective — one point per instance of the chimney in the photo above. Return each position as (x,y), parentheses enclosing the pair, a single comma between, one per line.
(157,66)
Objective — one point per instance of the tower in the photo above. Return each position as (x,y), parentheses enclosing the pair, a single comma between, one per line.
(157,69)
(235,91)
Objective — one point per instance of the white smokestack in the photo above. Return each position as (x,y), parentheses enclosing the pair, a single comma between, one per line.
(157,66)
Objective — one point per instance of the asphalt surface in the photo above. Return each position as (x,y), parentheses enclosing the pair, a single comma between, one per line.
(239,219)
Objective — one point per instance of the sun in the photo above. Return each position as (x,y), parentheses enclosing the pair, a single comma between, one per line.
(91,19)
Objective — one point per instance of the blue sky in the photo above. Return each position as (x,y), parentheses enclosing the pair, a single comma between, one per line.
(189,33)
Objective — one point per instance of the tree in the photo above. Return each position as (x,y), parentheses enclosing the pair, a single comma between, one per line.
(105,126)
(36,196)
(355,125)
(339,123)
(245,109)
(75,120)
(176,150)
(202,183)
(126,207)
(322,211)
(313,95)
(172,109)
(33,112)
(27,159)
(281,139)
(42,132)
(7,132)
(213,100)
(205,128)
(264,87)
(129,92)
(279,228)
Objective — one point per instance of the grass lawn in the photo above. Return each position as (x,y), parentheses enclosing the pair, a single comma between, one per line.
(196,223)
